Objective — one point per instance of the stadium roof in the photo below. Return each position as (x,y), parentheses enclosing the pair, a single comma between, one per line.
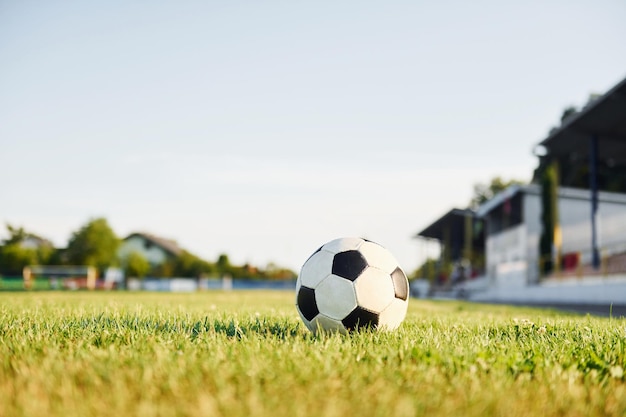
(502,196)
(453,219)
(605,118)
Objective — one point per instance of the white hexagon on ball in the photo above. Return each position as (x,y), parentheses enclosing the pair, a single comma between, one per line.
(335,297)
(377,256)
(326,324)
(374,289)
(393,315)
(342,245)
(316,269)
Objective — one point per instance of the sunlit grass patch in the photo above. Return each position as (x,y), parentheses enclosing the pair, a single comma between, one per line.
(248,354)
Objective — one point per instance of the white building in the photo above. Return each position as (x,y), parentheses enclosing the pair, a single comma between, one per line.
(586,154)
(155,249)
(513,231)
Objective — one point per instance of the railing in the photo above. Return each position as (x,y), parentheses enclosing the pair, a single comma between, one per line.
(579,264)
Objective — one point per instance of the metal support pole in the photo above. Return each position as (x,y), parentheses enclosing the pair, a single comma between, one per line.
(593,187)
(468,237)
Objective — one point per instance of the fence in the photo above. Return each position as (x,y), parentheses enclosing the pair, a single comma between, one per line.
(203,284)
(579,263)
(16,283)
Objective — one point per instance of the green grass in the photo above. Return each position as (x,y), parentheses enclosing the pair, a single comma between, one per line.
(17,284)
(247,354)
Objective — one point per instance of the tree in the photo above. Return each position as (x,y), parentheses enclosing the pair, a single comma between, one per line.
(190,265)
(567,113)
(223,265)
(549,217)
(136,265)
(485,192)
(95,244)
(14,255)
(273,271)
(163,270)
(16,235)
(426,270)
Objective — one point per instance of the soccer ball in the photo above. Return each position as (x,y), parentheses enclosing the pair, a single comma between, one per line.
(351,283)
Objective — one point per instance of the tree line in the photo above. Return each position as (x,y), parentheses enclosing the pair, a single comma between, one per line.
(96,244)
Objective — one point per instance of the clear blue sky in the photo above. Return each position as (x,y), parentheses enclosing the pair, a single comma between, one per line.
(264,129)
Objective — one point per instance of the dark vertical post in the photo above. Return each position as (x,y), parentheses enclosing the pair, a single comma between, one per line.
(447,249)
(593,187)
(468,237)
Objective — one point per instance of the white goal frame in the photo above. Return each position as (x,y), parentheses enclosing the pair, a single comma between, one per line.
(31,271)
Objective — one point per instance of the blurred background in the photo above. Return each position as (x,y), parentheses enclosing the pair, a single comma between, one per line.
(245,135)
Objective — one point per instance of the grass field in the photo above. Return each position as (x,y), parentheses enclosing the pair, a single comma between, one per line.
(247,354)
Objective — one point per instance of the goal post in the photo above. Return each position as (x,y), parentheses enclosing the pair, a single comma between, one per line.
(31,272)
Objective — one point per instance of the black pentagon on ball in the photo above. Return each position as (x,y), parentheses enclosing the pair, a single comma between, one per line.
(307,303)
(349,264)
(400,284)
(361,318)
